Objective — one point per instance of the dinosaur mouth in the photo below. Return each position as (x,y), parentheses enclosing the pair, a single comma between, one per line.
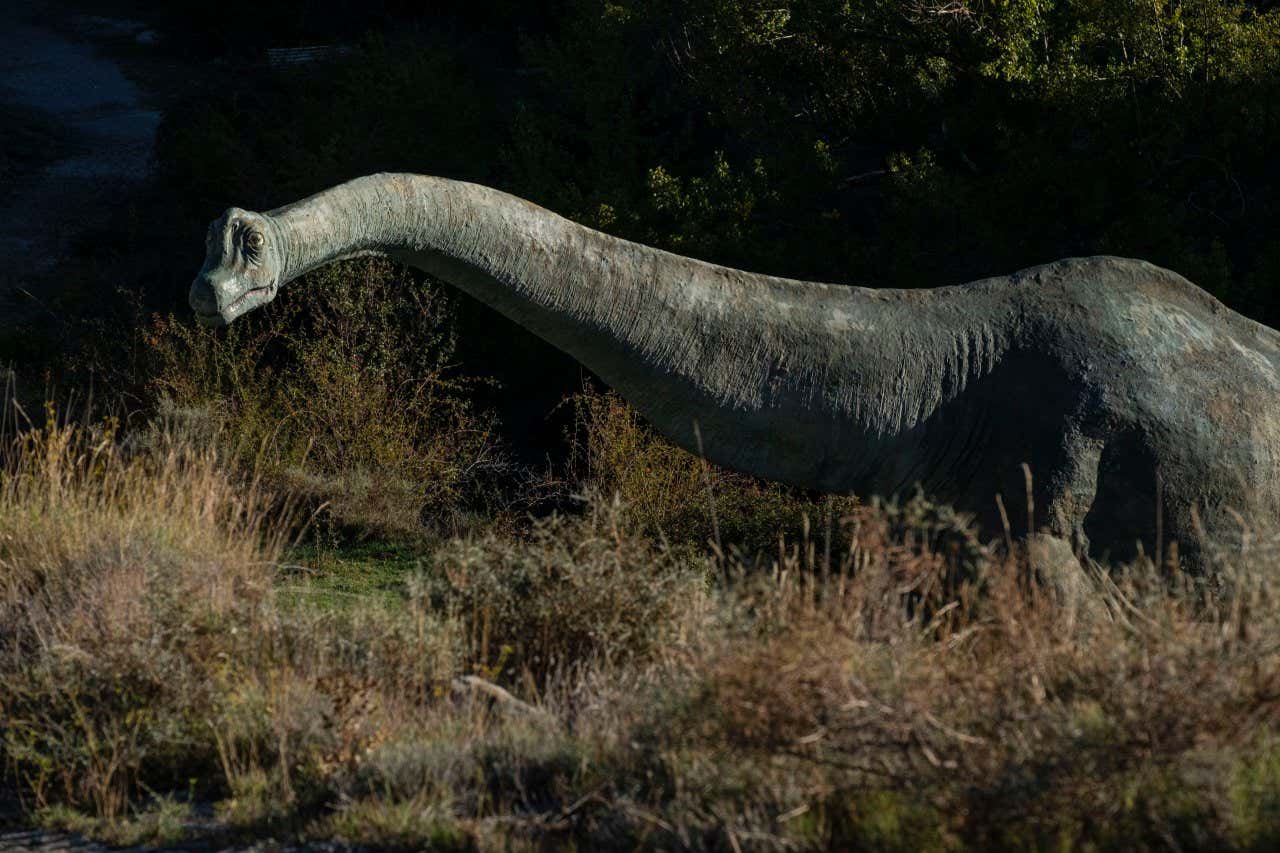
(240,300)
(227,314)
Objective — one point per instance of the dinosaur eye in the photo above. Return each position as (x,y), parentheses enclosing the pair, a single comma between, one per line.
(254,240)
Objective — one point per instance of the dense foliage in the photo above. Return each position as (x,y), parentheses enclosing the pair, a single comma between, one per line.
(888,142)
(347,394)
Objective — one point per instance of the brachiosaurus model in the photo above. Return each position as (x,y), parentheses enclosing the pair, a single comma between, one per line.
(1141,404)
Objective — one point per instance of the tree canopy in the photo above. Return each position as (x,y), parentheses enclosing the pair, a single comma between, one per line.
(886,142)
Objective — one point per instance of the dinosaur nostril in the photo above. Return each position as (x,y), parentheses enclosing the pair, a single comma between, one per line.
(203,297)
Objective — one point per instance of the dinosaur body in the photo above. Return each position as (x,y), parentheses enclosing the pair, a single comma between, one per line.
(1128,391)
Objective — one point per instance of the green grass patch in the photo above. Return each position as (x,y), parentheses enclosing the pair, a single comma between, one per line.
(351,575)
(164,822)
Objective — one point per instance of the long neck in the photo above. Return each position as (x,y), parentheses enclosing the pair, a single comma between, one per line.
(681,339)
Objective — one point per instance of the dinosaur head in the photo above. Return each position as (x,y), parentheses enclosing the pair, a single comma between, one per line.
(243,265)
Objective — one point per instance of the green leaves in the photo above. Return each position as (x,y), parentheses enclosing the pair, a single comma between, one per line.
(921,143)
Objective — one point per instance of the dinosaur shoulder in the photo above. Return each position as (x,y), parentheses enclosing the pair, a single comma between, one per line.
(1105,287)
(1115,278)
(1134,303)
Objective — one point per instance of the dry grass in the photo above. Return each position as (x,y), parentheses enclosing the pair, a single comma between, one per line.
(575,593)
(115,572)
(680,497)
(582,685)
(345,393)
(1008,721)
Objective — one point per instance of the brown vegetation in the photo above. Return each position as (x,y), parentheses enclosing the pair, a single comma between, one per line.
(707,661)
(346,395)
(581,683)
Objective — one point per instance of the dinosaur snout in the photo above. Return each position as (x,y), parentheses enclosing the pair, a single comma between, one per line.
(208,297)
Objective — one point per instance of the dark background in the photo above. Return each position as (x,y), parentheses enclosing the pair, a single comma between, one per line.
(886,143)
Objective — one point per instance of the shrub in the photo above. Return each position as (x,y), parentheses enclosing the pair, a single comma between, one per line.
(117,574)
(345,392)
(577,593)
(1012,723)
(682,498)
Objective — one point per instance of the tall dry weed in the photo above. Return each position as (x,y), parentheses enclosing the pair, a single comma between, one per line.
(998,716)
(113,568)
(681,497)
(345,393)
(892,684)
(573,594)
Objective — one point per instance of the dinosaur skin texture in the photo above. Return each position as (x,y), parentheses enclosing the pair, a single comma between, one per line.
(1138,402)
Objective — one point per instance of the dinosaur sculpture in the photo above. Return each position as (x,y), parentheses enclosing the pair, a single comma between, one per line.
(1142,405)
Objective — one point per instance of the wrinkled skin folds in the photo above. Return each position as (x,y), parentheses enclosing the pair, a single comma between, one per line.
(241,271)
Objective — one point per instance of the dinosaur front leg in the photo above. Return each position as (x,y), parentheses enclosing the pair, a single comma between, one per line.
(1071,491)
(1057,551)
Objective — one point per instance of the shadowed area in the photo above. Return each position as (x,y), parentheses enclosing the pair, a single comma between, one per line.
(1096,374)
(108,132)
